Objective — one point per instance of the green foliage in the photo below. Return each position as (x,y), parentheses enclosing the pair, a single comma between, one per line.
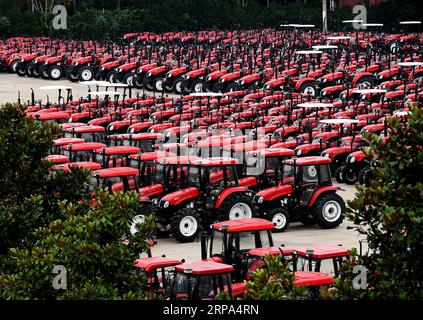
(100,19)
(389,213)
(275,282)
(24,142)
(91,247)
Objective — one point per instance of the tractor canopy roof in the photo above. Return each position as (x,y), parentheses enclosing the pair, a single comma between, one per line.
(116,172)
(178,160)
(143,136)
(85,129)
(311,278)
(215,162)
(84,164)
(276,152)
(152,263)
(307,161)
(153,155)
(85,146)
(65,141)
(121,150)
(51,115)
(243,225)
(205,267)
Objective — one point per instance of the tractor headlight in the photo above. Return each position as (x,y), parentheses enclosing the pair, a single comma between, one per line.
(111,128)
(35,61)
(222,80)
(352,160)
(148,74)
(168,133)
(131,130)
(267,87)
(22,60)
(260,199)
(208,78)
(169,75)
(102,69)
(323,93)
(326,155)
(380,77)
(119,70)
(155,201)
(299,152)
(324,80)
(76,63)
(242,82)
(45,62)
(165,204)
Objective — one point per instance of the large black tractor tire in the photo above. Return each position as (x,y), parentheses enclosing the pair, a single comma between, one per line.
(44,72)
(13,66)
(233,87)
(72,76)
(329,210)
(128,79)
(86,73)
(110,76)
(198,85)
(349,176)
(167,86)
(148,83)
(339,174)
(55,72)
(311,88)
(137,82)
(280,218)
(186,224)
(21,69)
(32,70)
(237,206)
(364,176)
(366,82)
(158,84)
(186,86)
(177,85)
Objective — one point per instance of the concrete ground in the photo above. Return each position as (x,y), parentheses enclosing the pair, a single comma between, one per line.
(296,235)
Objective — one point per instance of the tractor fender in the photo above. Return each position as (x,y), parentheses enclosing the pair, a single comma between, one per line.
(227,192)
(360,75)
(275,193)
(196,73)
(320,191)
(181,196)
(302,81)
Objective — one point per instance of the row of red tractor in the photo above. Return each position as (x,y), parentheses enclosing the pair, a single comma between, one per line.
(241,164)
(291,58)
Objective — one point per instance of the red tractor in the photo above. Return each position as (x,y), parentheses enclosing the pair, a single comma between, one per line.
(214,192)
(306,194)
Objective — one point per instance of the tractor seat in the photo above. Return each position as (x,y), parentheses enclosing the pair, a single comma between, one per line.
(248,182)
(311,278)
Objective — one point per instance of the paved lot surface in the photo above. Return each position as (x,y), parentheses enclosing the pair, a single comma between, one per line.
(296,235)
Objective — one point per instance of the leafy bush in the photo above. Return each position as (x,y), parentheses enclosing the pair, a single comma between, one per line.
(90,246)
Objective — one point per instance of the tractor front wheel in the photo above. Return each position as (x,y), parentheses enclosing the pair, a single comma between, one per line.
(280,219)
(237,206)
(55,72)
(128,79)
(185,225)
(339,174)
(329,210)
(177,85)
(86,73)
(349,176)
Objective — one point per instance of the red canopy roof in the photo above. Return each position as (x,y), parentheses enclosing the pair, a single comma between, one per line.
(311,278)
(308,161)
(205,267)
(116,172)
(241,225)
(150,264)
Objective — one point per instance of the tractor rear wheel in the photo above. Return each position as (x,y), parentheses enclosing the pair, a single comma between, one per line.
(72,76)
(198,85)
(186,86)
(55,72)
(339,174)
(148,83)
(329,210)
(366,82)
(363,176)
(158,84)
(177,85)
(237,206)
(185,225)
(311,88)
(110,76)
(21,69)
(280,219)
(86,73)
(128,79)
(349,176)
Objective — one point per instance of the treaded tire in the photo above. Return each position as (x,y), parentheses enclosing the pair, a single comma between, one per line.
(50,70)
(186,86)
(325,206)
(148,83)
(177,85)
(224,211)
(339,174)
(349,177)
(275,215)
(196,83)
(129,79)
(81,71)
(21,69)
(312,86)
(189,215)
